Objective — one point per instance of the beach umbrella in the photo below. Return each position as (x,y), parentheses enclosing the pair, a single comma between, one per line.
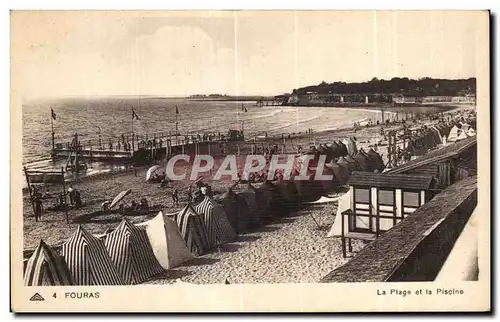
(119,197)
(151,171)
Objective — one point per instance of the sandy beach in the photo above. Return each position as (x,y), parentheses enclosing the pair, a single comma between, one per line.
(291,249)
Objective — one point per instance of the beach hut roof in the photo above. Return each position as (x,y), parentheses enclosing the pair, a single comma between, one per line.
(88,260)
(132,254)
(166,241)
(46,268)
(382,259)
(394,181)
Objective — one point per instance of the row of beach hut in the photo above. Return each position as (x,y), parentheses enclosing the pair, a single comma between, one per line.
(132,254)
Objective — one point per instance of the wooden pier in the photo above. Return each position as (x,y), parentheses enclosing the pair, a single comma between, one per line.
(142,148)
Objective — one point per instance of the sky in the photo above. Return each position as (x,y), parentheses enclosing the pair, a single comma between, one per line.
(235,53)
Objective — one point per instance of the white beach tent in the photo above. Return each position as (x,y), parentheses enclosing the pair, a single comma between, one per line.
(344,204)
(471,132)
(452,137)
(462,136)
(166,240)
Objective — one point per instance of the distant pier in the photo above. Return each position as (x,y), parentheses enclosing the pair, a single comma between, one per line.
(142,148)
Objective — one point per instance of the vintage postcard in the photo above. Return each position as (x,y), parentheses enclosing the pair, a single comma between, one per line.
(250,161)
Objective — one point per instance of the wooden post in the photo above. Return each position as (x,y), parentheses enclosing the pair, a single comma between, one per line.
(30,192)
(342,234)
(389,152)
(64,194)
(75,146)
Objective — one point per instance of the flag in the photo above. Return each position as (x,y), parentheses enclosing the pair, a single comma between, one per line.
(53,113)
(177,110)
(134,115)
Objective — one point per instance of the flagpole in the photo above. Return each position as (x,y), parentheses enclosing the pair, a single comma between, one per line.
(133,145)
(52,128)
(176,124)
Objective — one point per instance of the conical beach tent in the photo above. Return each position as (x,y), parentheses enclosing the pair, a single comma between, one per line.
(363,161)
(166,240)
(337,150)
(46,268)
(340,172)
(327,185)
(237,211)
(351,146)
(89,261)
(289,193)
(250,196)
(355,165)
(462,136)
(219,230)
(343,147)
(268,200)
(193,230)
(453,134)
(344,162)
(130,250)
(376,160)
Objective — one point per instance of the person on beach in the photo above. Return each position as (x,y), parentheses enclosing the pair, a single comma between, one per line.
(175,197)
(71,195)
(77,198)
(189,193)
(38,206)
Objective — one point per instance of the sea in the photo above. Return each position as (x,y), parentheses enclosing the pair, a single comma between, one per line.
(110,117)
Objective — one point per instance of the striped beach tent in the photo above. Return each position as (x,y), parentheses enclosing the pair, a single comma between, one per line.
(219,230)
(193,230)
(166,241)
(343,147)
(237,210)
(46,268)
(340,172)
(355,165)
(363,161)
(131,253)
(250,196)
(376,160)
(88,260)
(289,192)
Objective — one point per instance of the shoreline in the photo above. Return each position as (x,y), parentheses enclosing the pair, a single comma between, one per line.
(315,136)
